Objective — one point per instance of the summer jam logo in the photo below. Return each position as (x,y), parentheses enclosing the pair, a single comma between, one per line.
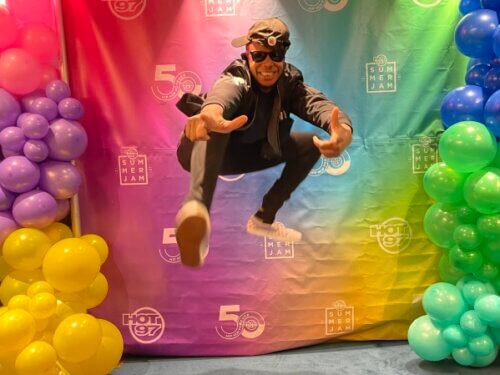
(427,3)
(146,325)
(278,250)
(424,154)
(333,166)
(249,324)
(393,235)
(316,5)
(214,8)
(169,251)
(126,9)
(339,319)
(170,84)
(381,75)
(132,167)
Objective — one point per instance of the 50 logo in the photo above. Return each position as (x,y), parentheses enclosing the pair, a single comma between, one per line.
(249,324)
(168,85)
(146,325)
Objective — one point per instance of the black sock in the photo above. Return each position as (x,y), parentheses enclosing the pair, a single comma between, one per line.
(265,218)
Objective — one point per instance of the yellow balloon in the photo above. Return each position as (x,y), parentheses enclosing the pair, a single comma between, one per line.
(5,269)
(20,301)
(43,305)
(71,265)
(25,248)
(58,231)
(62,312)
(3,309)
(77,338)
(38,358)
(17,329)
(18,282)
(95,294)
(99,243)
(107,356)
(39,287)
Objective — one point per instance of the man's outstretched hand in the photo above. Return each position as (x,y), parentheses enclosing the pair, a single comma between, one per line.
(340,137)
(211,119)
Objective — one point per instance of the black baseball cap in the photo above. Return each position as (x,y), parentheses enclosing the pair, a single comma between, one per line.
(270,32)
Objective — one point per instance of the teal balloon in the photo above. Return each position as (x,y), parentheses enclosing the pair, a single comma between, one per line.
(483,361)
(467,236)
(489,226)
(467,261)
(440,221)
(444,302)
(427,341)
(472,325)
(444,184)
(482,191)
(455,336)
(472,290)
(467,146)
(488,307)
(481,345)
(463,356)
(495,335)
(447,272)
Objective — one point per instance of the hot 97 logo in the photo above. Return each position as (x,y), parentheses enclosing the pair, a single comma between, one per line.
(146,325)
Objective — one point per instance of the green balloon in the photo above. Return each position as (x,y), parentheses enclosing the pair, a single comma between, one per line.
(495,163)
(443,183)
(466,261)
(447,272)
(467,236)
(489,226)
(466,215)
(440,221)
(467,146)
(491,250)
(487,272)
(482,191)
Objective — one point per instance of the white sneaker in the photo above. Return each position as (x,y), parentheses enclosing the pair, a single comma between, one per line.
(192,233)
(276,231)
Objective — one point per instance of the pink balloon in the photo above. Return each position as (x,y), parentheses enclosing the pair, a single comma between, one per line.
(8,29)
(49,74)
(20,73)
(41,11)
(41,42)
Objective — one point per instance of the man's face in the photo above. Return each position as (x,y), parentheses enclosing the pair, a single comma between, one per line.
(265,72)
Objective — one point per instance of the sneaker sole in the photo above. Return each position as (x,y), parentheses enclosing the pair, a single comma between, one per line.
(190,234)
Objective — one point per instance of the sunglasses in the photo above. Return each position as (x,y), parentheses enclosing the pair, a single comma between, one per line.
(259,56)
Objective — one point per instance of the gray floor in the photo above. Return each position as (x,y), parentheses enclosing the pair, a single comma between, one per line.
(394,357)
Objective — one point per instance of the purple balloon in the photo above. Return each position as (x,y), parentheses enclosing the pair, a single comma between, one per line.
(67,140)
(34,126)
(6,199)
(36,150)
(45,107)
(70,109)
(18,174)
(34,209)
(12,138)
(7,225)
(59,178)
(62,209)
(57,90)
(7,153)
(9,109)
(27,100)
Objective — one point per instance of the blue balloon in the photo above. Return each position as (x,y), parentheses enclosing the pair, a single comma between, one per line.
(496,41)
(467,6)
(464,103)
(476,73)
(480,60)
(492,80)
(491,4)
(474,33)
(492,113)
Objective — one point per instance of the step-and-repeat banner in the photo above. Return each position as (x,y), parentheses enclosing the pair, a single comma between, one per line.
(364,261)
